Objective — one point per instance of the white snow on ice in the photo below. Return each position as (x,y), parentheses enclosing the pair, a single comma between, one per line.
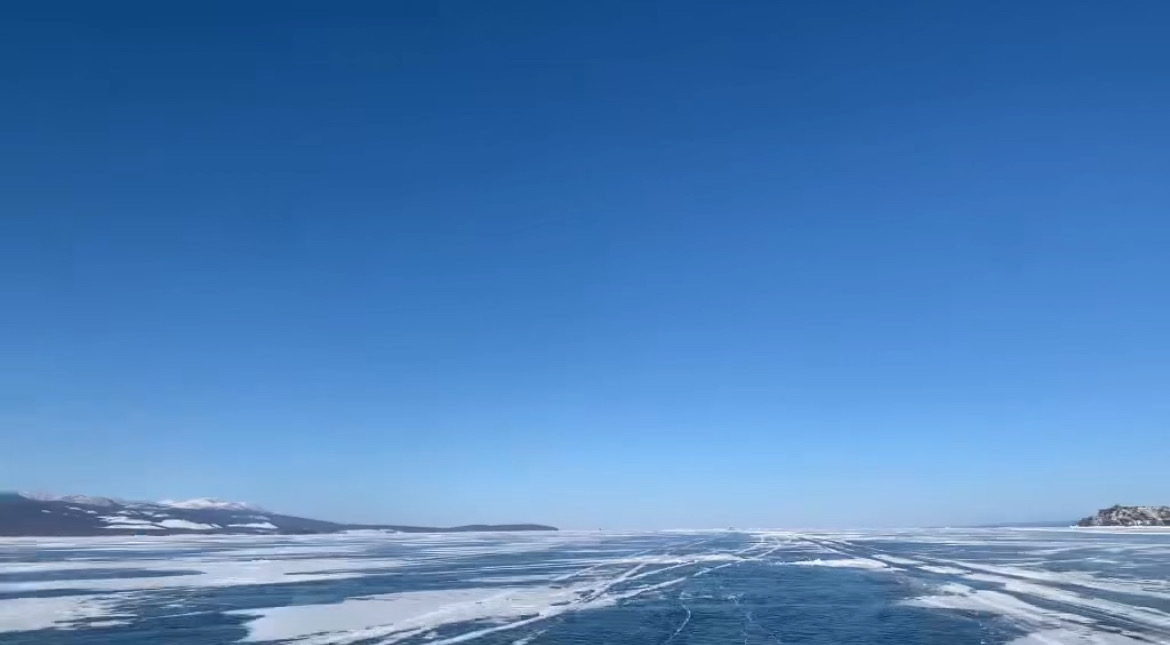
(574,571)
(29,614)
(845,563)
(943,570)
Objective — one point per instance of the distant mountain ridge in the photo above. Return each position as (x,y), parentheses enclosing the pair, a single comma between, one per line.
(1118,515)
(41,515)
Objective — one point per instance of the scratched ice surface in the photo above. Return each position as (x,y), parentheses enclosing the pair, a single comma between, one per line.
(957,587)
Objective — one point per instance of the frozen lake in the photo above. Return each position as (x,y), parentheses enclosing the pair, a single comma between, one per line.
(667,588)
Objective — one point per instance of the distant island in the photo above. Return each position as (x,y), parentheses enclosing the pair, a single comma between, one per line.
(1118,515)
(27,515)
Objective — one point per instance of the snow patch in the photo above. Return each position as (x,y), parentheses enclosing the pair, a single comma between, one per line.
(184,524)
(962,597)
(1076,637)
(512,580)
(203,503)
(846,563)
(204,572)
(399,616)
(62,612)
(119,522)
(90,500)
(411,610)
(951,571)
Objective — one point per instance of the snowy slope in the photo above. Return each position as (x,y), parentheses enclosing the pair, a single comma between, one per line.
(208,503)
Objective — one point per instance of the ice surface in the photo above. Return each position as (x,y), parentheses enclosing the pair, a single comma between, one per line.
(393,617)
(1077,637)
(893,559)
(1040,588)
(943,570)
(407,613)
(849,563)
(203,573)
(960,596)
(28,614)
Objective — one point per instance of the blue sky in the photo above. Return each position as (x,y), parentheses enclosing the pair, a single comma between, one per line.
(606,264)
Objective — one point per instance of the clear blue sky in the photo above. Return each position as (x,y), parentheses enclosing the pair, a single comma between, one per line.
(618,264)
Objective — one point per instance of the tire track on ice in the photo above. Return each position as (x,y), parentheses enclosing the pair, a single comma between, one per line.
(1026,587)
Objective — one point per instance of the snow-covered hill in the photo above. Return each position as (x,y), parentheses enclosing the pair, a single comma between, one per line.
(204,503)
(84,515)
(49,515)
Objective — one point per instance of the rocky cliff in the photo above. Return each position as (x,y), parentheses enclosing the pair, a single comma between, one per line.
(1129,516)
